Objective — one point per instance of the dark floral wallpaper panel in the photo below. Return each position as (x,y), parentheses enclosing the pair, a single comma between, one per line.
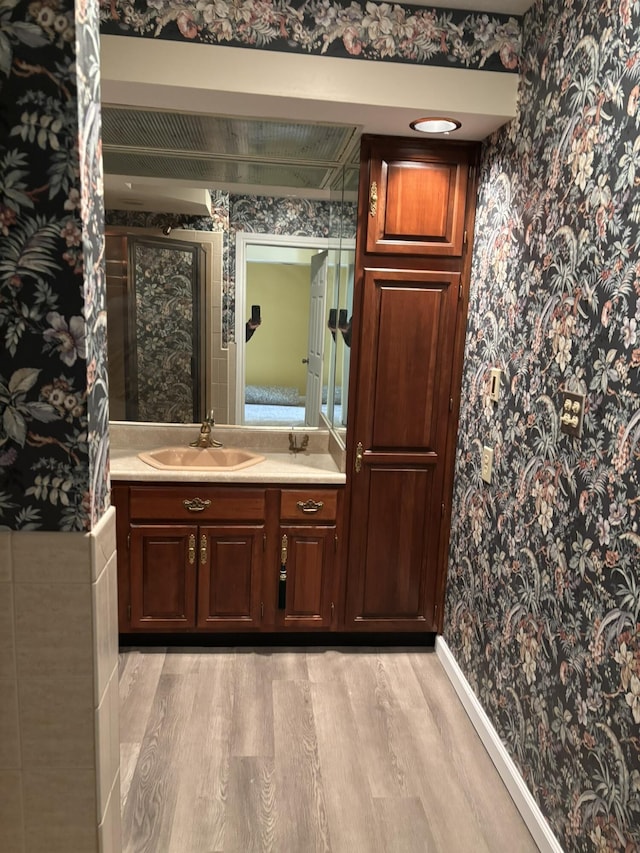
(543,598)
(53,410)
(356,30)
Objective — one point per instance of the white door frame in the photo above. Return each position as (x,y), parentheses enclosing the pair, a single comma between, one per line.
(243,239)
(318,269)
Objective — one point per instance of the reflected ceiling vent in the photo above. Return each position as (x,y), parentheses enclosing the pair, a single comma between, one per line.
(224,150)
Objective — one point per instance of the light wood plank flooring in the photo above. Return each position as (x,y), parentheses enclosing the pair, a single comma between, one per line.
(304,750)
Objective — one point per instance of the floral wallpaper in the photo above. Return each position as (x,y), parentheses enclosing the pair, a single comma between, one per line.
(53,410)
(89,146)
(258,215)
(543,598)
(166,336)
(355,30)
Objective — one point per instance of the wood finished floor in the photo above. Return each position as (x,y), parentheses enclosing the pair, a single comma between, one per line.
(297,751)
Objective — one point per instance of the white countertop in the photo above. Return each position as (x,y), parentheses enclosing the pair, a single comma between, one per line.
(316,466)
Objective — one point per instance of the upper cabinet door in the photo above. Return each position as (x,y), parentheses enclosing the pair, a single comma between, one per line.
(416,198)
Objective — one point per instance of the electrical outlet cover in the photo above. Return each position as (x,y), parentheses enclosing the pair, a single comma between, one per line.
(571,413)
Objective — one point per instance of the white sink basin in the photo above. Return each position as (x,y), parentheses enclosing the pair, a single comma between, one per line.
(200,458)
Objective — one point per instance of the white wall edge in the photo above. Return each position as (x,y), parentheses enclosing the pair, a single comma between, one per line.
(504,764)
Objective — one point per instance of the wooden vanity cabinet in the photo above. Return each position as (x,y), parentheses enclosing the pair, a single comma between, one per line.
(194,558)
(308,546)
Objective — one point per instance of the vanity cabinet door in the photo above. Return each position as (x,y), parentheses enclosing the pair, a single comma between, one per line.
(163,576)
(229,576)
(417,197)
(307,557)
(309,521)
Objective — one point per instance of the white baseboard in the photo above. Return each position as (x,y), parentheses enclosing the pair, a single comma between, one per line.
(506,767)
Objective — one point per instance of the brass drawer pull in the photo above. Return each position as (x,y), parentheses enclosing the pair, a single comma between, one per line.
(196,504)
(203,550)
(192,549)
(310,505)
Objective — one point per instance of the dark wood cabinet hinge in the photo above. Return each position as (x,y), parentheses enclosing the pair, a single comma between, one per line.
(261,609)
(129,612)
(335,542)
(333,607)
(128,541)
(443,509)
(264,541)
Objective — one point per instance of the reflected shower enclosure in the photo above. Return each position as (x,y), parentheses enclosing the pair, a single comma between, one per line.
(155,331)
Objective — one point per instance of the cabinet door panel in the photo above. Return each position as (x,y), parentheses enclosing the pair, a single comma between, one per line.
(229,582)
(417,199)
(394,547)
(310,559)
(162,576)
(406,358)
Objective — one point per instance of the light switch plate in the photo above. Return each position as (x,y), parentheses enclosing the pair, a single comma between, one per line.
(495,380)
(486,466)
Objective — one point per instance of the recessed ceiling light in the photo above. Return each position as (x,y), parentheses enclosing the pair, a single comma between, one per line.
(435,124)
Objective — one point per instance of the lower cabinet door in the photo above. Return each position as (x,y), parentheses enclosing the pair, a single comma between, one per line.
(393,547)
(229,577)
(306,576)
(163,576)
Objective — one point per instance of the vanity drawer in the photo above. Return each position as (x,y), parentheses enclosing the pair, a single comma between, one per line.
(309,504)
(197,503)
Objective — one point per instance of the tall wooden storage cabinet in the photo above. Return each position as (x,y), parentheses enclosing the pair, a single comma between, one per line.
(413,251)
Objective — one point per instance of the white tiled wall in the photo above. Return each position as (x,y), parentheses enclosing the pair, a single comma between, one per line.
(59,766)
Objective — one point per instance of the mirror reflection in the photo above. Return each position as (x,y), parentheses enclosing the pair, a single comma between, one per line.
(156,351)
(203,321)
(288,372)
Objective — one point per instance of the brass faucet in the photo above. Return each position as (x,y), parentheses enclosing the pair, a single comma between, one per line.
(294,447)
(205,439)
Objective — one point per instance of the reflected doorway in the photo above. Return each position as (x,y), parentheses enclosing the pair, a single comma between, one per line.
(282,363)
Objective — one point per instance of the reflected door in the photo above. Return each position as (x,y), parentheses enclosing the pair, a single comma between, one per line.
(313,400)
(162,350)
